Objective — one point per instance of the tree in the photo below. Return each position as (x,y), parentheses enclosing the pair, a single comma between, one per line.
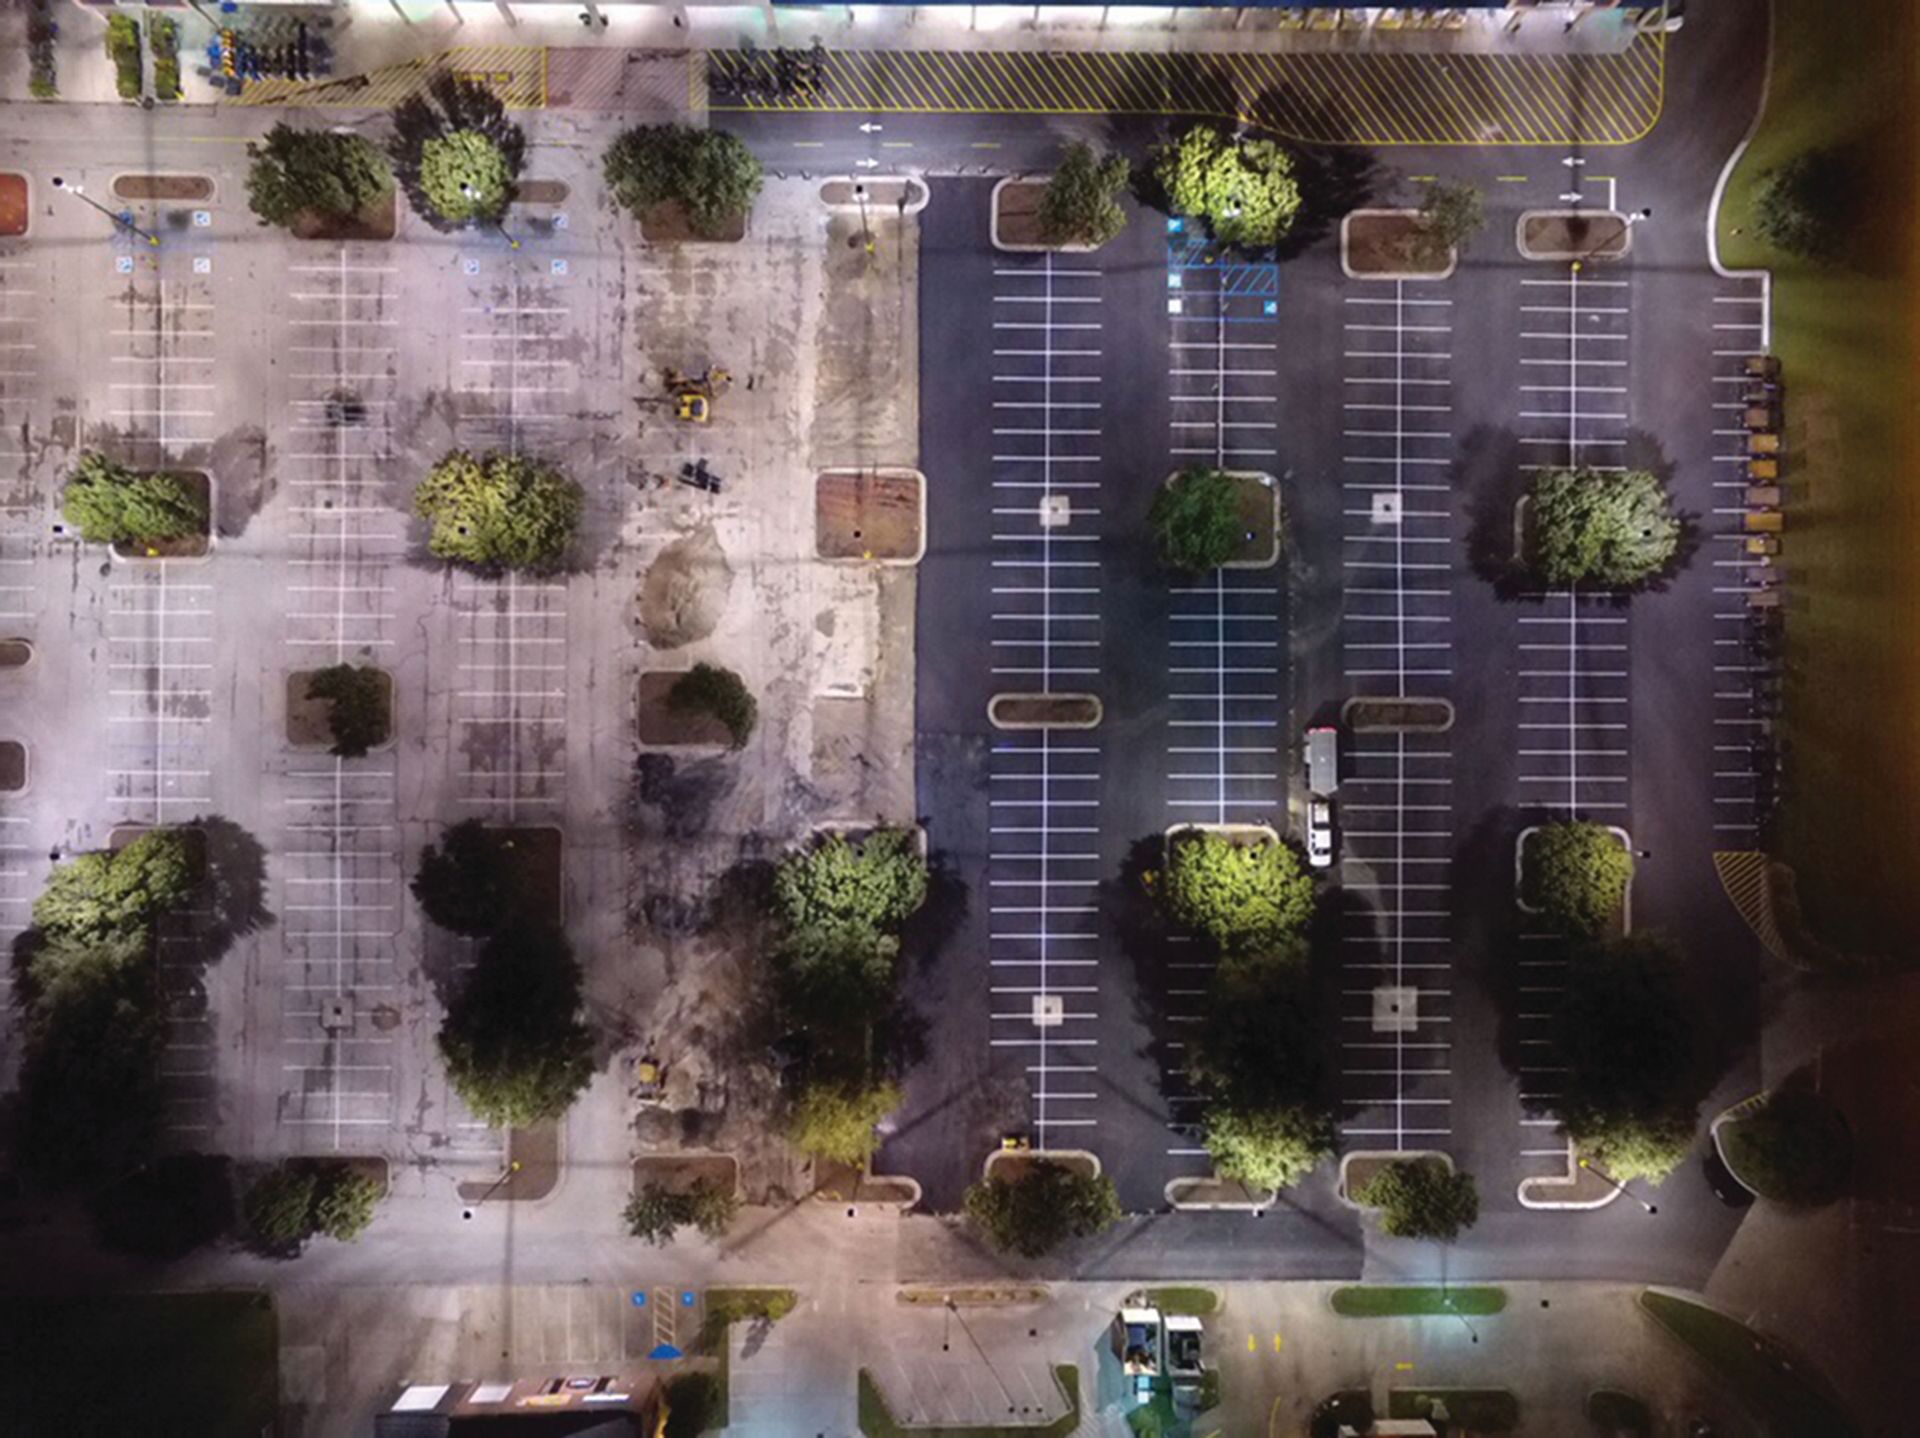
(1046,1205)
(1806,205)
(656,1213)
(1249,898)
(513,1042)
(710,689)
(836,1122)
(319,172)
(356,706)
(1196,519)
(457,153)
(693,1405)
(168,1208)
(1081,205)
(1794,1149)
(1633,1079)
(465,176)
(1594,527)
(1268,1147)
(278,1207)
(711,174)
(111,504)
(1451,213)
(1422,1198)
(1244,189)
(499,511)
(471,883)
(1258,1046)
(878,881)
(344,1200)
(1576,873)
(111,894)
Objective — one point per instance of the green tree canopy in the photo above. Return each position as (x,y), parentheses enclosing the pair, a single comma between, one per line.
(499,511)
(1081,205)
(1048,1204)
(465,175)
(168,1208)
(314,171)
(835,1121)
(1272,1147)
(878,881)
(1422,1198)
(278,1207)
(1576,873)
(344,1200)
(656,1213)
(1249,898)
(1795,1149)
(711,689)
(1196,519)
(513,1042)
(111,504)
(1806,205)
(356,698)
(1600,528)
(1451,212)
(710,173)
(1633,1079)
(1244,189)
(1258,1045)
(108,894)
(473,881)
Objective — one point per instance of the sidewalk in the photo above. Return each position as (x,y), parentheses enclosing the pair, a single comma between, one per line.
(369,35)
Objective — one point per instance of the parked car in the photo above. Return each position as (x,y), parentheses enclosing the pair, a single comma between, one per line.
(1319,833)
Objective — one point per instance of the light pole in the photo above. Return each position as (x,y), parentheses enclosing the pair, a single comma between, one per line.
(123,220)
(1633,219)
(866,232)
(473,198)
(1651,1208)
(513,1167)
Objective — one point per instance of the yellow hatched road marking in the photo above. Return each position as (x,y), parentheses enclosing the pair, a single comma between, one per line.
(517,74)
(1335,98)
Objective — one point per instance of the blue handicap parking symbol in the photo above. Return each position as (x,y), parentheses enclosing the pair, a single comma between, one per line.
(1176,225)
(1271,307)
(639,1299)
(687,1299)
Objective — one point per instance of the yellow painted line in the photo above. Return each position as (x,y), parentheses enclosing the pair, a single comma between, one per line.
(1424,179)
(808,144)
(985,145)
(1252,1347)
(1276,1343)
(1511,179)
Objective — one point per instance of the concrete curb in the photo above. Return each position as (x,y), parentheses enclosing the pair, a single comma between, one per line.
(1571,256)
(1519,874)
(1391,1154)
(1453,255)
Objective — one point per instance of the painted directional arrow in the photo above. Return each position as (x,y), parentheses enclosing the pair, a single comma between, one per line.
(870,128)
(868,164)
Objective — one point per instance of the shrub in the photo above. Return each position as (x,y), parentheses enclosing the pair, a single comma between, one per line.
(499,511)
(123,48)
(1046,1205)
(1422,1198)
(42,58)
(710,689)
(1595,527)
(1081,205)
(164,35)
(710,173)
(1577,874)
(279,1207)
(356,706)
(1629,1146)
(836,1122)
(1451,212)
(314,171)
(344,1202)
(465,176)
(1795,1149)
(513,1042)
(1245,189)
(111,504)
(1196,519)
(1270,1147)
(1806,205)
(1249,898)
(656,1214)
(108,894)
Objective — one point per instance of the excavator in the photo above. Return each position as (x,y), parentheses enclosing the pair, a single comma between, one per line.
(692,395)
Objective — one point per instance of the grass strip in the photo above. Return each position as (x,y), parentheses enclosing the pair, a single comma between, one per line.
(726,1307)
(1197,1302)
(1380,1300)
(1779,1389)
(877,1420)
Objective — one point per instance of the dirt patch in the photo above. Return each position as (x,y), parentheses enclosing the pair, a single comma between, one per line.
(1392,244)
(540,192)
(1360,1171)
(675,799)
(685,590)
(867,514)
(1574,236)
(1043,711)
(679,1172)
(307,724)
(1016,215)
(1213,1192)
(187,546)
(1373,716)
(13,766)
(1259,518)
(163,187)
(1013,1166)
(14,653)
(13,205)
(540,853)
(660,723)
(377,221)
(667,224)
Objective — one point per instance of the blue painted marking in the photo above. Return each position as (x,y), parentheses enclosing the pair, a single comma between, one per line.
(688,1299)
(639,1299)
(1271,307)
(666,1352)
(1173,279)
(1176,225)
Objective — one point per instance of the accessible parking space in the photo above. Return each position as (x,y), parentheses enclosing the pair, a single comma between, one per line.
(1043,869)
(1395,801)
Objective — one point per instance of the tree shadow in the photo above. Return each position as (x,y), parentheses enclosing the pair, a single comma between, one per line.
(234,888)
(1153,946)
